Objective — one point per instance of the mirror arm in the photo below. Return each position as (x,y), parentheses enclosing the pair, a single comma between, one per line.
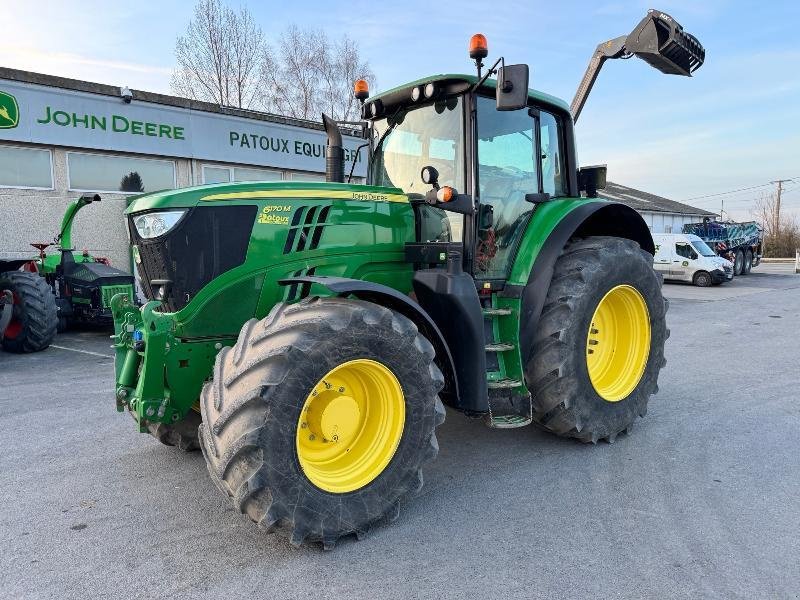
(491,71)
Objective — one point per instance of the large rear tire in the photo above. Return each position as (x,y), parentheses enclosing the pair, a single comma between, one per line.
(301,389)
(600,343)
(35,317)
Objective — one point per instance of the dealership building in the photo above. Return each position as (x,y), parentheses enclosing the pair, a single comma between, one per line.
(61,138)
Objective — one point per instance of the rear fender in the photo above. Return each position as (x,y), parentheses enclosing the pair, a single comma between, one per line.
(552,232)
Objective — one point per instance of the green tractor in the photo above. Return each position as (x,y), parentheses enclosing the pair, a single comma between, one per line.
(42,295)
(306,336)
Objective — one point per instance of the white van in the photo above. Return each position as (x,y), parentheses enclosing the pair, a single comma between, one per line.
(685,257)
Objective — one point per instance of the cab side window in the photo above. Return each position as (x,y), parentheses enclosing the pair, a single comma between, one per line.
(553,173)
(685,251)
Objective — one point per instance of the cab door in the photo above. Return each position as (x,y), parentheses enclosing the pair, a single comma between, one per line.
(518,152)
(682,261)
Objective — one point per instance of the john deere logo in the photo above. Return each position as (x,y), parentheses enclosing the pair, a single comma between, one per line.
(9,111)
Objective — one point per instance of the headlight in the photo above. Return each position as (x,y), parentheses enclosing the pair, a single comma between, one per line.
(154,224)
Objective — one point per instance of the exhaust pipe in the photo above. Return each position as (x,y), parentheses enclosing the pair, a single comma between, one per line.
(334,152)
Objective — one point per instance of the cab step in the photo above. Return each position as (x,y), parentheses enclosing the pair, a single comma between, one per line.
(508,421)
(503,384)
(496,312)
(499,347)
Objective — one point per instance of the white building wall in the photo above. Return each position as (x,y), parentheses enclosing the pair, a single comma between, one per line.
(659,222)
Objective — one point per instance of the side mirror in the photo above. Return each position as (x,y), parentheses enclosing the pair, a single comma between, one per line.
(512,87)
(89,198)
(591,179)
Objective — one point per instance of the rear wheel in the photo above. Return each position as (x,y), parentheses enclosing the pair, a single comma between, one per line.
(34,315)
(748,262)
(321,416)
(600,342)
(738,262)
(702,279)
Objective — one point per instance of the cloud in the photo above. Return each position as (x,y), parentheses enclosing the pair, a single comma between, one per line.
(139,75)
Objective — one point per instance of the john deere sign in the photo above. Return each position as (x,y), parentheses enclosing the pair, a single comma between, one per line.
(9,111)
(61,117)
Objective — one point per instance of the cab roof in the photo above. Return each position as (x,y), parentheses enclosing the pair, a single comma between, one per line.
(468,81)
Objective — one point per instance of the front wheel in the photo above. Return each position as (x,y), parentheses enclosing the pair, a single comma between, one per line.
(599,347)
(702,279)
(320,417)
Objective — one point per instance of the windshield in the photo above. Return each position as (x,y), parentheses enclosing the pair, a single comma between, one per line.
(703,248)
(431,135)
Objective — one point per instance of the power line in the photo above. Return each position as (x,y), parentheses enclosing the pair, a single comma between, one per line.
(745,189)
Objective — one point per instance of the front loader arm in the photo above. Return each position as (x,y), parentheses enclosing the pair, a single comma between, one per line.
(611,49)
(658,40)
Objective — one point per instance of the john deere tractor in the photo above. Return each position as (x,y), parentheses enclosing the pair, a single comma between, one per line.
(306,336)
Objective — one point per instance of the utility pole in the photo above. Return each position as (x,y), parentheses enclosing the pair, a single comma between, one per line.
(780,183)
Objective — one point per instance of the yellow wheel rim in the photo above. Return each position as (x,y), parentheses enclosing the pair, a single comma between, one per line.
(618,343)
(350,426)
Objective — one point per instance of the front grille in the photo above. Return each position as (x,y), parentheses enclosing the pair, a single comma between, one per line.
(110,291)
(206,243)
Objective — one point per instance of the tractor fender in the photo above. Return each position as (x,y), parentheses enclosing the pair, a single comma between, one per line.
(390,298)
(587,219)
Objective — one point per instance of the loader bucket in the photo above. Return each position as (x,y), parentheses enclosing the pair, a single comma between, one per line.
(662,42)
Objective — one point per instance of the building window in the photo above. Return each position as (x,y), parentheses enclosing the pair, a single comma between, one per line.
(103,173)
(248,174)
(214,174)
(307,177)
(30,168)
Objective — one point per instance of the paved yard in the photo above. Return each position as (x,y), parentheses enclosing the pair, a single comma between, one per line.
(701,500)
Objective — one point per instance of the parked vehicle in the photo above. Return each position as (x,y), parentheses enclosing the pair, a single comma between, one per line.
(740,243)
(305,335)
(28,313)
(43,294)
(685,257)
(83,284)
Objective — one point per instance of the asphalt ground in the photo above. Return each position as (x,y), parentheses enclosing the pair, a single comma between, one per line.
(701,500)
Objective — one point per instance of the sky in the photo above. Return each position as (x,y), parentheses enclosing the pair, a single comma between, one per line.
(735,124)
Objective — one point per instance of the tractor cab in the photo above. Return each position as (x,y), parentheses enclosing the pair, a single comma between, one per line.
(495,165)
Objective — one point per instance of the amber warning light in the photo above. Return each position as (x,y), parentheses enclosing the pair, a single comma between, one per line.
(361,89)
(478,47)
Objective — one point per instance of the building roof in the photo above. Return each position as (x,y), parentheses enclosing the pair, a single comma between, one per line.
(645,201)
(154,98)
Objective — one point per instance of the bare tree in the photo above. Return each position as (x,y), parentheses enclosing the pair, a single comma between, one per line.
(307,73)
(218,60)
(223,58)
(781,230)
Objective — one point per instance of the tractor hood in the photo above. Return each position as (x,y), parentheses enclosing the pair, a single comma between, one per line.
(206,251)
(222,192)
